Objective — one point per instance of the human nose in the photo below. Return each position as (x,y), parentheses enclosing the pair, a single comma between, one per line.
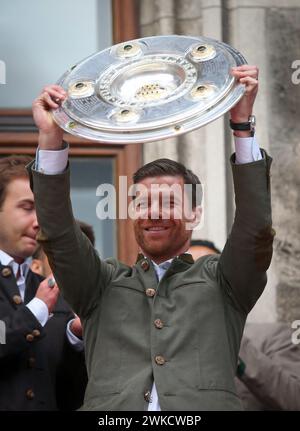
(35,223)
(154,211)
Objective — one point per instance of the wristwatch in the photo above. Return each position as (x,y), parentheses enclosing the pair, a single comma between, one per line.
(248,125)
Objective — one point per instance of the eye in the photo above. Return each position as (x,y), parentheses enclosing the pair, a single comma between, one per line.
(27,207)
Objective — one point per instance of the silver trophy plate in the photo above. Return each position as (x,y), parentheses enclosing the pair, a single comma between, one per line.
(149,89)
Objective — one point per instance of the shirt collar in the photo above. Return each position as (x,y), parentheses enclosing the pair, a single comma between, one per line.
(7,260)
(163,265)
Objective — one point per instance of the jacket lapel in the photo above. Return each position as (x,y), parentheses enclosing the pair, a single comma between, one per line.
(8,282)
(9,285)
(180,263)
(32,283)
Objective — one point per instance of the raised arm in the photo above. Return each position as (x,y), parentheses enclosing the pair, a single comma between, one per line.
(79,272)
(248,251)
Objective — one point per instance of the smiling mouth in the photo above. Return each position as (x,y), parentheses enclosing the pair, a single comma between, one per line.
(156,228)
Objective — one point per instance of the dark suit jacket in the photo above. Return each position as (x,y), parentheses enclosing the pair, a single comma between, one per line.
(34,357)
(192,356)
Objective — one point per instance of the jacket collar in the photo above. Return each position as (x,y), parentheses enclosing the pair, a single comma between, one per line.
(179,263)
(184,257)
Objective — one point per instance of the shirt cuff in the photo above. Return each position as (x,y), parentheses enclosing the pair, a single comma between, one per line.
(39,309)
(75,342)
(52,162)
(246,150)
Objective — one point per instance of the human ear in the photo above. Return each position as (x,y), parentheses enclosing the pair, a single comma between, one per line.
(37,266)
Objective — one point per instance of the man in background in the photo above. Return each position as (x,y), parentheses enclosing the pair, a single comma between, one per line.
(269,367)
(40,264)
(202,247)
(38,338)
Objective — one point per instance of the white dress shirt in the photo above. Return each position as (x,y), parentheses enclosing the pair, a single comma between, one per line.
(53,162)
(37,307)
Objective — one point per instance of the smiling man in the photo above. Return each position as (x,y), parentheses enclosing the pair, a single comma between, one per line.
(165,333)
(36,346)
(168,207)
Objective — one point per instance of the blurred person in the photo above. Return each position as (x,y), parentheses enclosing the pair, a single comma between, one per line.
(35,316)
(268,376)
(74,387)
(268,372)
(88,230)
(202,247)
(40,264)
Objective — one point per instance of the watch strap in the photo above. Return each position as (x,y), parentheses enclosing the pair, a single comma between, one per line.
(240,126)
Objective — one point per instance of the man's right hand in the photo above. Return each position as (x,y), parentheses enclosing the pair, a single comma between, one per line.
(48,294)
(50,136)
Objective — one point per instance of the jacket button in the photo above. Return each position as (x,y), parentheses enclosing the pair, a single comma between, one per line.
(158,324)
(145,265)
(36,333)
(6,272)
(160,360)
(150,292)
(29,337)
(147,396)
(29,394)
(31,362)
(17,299)
(273,232)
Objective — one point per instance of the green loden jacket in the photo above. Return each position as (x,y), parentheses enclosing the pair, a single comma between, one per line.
(183,332)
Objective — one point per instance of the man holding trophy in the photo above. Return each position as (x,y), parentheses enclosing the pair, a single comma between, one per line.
(165,333)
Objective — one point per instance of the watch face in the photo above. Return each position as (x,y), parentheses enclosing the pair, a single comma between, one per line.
(252,121)
(149,89)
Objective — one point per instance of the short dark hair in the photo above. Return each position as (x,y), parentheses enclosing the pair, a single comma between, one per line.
(161,167)
(38,253)
(88,230)
(11,168)
(205,243)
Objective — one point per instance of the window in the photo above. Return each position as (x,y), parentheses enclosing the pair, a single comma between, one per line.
(86,175)
(39,41)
